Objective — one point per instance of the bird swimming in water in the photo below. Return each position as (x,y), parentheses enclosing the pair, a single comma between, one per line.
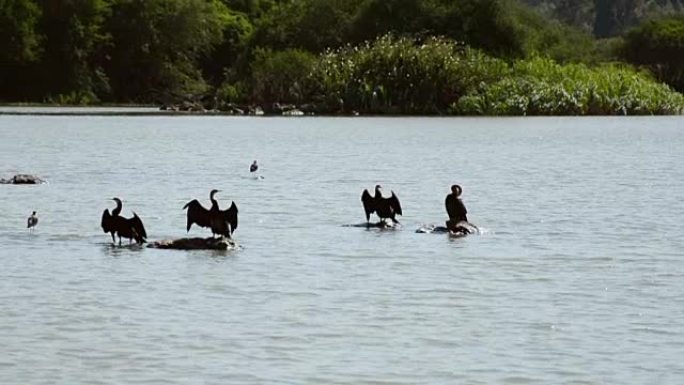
(384,207)
(32,222)
(222,222)
(131,228)
(254,167)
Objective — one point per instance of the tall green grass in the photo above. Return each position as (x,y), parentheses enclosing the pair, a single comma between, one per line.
(540,86)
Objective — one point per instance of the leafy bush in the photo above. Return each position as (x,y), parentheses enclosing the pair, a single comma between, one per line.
(278,76)
(439,76)
(659,46)
(400,75)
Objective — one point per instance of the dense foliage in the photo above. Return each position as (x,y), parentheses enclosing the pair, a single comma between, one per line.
(543,87)
(438,76)
(400,76)
(377,56)
(659,46)
(607,18)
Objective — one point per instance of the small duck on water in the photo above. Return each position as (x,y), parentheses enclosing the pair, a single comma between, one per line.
(254,167)
(32,221)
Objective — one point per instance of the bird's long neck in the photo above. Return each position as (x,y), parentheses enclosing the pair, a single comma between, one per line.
(117,210)
(378,193)
(214,203)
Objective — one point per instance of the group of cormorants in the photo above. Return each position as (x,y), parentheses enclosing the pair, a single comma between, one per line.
(221,222)
(389,208)
(225,222)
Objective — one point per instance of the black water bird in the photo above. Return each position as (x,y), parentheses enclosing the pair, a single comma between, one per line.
(32,221)
(455,208)
(384,207)
(115,224)
(222,222)
(254,167)
(457,212)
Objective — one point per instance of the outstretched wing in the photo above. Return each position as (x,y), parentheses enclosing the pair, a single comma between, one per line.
(368,204)
(137,225)
(231,216)
(197,214)
(394,204)
(107,222)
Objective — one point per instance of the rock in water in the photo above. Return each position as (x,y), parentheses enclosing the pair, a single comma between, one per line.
(22,179)
(222,243)
(375,225)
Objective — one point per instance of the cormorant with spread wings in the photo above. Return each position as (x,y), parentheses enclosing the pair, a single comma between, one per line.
(131,228)
(222,222)
(384,207)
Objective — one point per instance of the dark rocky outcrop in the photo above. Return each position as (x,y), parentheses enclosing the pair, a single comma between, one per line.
(22,179)
(194,244)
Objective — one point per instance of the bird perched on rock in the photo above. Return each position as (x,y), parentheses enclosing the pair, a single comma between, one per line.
(131,228)
(222,222)
(385,208)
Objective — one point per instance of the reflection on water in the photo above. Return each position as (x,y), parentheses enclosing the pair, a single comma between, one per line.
(578,263)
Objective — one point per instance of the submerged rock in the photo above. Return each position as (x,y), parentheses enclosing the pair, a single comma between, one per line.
(194,244)
(22,179)
(461,230)
(376,225)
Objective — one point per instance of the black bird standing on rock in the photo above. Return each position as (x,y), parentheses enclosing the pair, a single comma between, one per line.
(384,207)
(222,222)
(131,228)
(458,218)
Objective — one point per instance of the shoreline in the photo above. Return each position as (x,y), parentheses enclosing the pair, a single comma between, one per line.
(143,111)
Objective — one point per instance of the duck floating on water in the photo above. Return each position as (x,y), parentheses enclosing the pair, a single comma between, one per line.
(131,228)
(385,208)
(222,222)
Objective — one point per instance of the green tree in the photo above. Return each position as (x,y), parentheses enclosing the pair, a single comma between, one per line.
(659,46)
(252,8)
(279,76)
(500,27)
(156,46)
(68,70)
(222,59)
(312,25)
(19,40)
(19,46)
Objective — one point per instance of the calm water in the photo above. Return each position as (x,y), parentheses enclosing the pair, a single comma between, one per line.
(578,278)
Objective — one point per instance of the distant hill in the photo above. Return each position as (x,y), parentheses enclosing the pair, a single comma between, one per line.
(606,18)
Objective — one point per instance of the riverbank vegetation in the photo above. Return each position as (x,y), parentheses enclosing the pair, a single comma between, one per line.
(460,57)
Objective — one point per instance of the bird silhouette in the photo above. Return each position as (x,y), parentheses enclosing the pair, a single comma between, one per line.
(385,208)
(32,222)
(131,228)
(222,222)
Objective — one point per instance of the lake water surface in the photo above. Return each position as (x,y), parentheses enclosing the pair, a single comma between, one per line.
(578,277)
